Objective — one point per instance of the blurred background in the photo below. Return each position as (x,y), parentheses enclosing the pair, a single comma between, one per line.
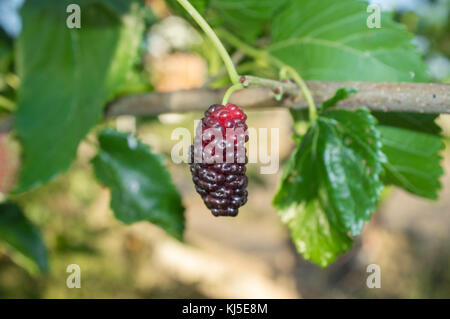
(247,257)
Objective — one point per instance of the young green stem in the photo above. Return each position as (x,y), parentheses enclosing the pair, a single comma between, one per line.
(230,91)
(306,92)
(284,68)
(234,76)
(238,43)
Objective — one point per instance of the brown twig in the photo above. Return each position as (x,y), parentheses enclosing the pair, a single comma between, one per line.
(387,97)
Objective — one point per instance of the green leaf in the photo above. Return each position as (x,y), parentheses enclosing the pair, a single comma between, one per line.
(351,164)
(299,182)
(246,18)
(413,160)
(341,94)
(330,40)
(412,121)
(25,238)
(313,235)
(336,170)
(67,75)
(412,144)
(141,187)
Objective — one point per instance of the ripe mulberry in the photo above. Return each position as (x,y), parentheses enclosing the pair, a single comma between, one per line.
(218,159)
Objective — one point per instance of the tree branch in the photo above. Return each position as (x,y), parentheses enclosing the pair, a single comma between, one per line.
(386,97)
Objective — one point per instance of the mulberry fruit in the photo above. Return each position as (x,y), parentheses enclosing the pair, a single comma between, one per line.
(218,159)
